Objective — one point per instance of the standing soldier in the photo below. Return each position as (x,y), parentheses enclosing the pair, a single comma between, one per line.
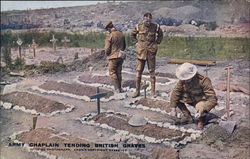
(114,47)
(146,36)
(195,90)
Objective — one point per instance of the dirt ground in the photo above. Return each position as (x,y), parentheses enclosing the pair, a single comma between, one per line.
(214,142)
(163,105)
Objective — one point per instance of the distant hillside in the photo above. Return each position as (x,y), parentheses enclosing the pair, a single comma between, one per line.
(126,14)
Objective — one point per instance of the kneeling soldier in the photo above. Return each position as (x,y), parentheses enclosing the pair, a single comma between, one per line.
(193,89)
(114,44)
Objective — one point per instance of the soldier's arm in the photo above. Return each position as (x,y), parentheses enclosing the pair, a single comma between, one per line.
(176,94)
(108,44)
(209,93)
(133,34)
(159,35)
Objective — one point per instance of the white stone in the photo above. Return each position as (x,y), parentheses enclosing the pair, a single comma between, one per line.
(149,139)
(99,134)
(1,103)
(7,105)
(10,88)
(105,126)
(183,142)
(171,127)
(188,139)
(157,109)
(145,108)
(166,125)
(160,124)
(182,129)
(193,136)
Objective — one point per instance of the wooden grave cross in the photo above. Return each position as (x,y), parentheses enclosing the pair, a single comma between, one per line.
(53,40)
(98,96)
(206,70)
(65,40)
(19,43)
(34,45)
(144,87)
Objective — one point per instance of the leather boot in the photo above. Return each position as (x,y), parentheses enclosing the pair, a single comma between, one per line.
(120,83)
(138,87)
(186,118)
(202,121)
(115,83)
(153,80)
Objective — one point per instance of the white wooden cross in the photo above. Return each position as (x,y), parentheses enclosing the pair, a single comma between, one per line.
(19,43)
(65,40)
(53,40)
(34,45)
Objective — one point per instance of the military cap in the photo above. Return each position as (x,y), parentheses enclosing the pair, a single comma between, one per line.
(147,15)
(109,25)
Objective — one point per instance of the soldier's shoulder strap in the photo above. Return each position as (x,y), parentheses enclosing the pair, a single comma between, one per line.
(201,77)
(158,27)
(137,26)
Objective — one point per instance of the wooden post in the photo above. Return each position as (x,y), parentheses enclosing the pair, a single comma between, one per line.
(65,41)
(34,122)
(228,91)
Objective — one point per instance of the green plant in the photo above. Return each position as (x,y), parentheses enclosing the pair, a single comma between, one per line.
(51,67)
(7,56)
(19,64)
(211,26)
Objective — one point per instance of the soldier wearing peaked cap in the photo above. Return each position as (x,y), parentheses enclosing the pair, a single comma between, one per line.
(193,89)
(114,48)
(146,36)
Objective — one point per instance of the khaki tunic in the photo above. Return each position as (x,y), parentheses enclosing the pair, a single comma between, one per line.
(199,89)
(147,40)
(115,41)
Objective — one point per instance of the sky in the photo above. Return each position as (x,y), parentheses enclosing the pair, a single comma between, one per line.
(24,5)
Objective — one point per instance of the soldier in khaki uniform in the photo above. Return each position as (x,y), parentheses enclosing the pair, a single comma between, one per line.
(193,89)
(146,36)
(114,44)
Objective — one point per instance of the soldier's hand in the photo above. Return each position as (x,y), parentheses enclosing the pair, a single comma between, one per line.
(199,108)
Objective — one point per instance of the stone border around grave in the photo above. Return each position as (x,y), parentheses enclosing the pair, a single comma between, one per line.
(171,81)
(7,105)
(47,155)
(100,85)
(87,119)
(116,96)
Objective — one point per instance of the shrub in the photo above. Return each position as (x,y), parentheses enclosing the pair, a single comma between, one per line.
(7,56)
(19,64)
(211,26)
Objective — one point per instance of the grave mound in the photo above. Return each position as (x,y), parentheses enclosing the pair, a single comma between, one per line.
(32,101)
(67,145)
(77,89)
